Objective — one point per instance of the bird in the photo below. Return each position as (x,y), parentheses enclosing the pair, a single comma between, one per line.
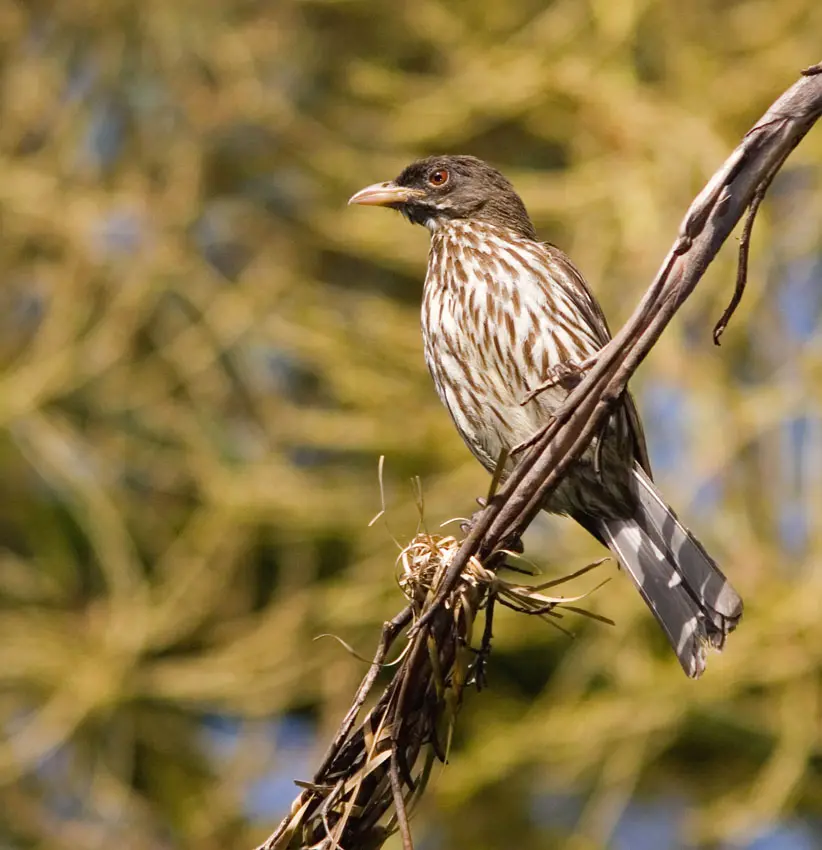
(505,314)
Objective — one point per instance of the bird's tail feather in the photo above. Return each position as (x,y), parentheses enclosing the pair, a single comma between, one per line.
(687,592)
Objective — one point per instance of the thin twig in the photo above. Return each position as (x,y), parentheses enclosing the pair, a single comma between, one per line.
(399,803)
(390,630)
(744,251)
(485,646)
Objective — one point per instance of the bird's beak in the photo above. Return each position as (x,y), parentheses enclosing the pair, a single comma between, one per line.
(385,195)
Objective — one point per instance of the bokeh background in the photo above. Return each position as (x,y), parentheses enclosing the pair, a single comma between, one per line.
(203,353)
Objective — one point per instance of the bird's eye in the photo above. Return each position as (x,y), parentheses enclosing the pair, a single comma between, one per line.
(438,177)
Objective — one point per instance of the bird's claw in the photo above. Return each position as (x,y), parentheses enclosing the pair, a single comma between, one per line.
(509,544)
(567,373)
(513,544)
(533,439)
(468,524)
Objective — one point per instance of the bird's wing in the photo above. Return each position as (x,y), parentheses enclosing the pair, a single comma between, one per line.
(585,301)
(637,433)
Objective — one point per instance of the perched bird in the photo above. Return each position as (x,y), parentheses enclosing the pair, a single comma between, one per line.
(503,312)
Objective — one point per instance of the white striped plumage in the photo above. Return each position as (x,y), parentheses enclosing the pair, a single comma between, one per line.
(500,310)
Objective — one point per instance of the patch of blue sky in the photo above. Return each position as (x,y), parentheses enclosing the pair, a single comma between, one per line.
(293,746)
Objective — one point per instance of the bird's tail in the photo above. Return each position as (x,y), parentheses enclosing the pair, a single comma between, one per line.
(687,592)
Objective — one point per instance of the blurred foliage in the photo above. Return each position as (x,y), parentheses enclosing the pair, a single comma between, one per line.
(203,353)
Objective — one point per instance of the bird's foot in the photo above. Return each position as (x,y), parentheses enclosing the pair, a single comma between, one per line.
(510,544)
(533,439)
(467,525)
(566,373)
(513,543)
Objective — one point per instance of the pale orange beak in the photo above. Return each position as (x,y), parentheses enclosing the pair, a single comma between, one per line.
(385,195)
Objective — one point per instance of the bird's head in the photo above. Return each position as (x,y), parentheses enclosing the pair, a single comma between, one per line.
(439,189)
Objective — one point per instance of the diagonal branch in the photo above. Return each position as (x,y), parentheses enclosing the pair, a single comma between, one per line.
(369,769)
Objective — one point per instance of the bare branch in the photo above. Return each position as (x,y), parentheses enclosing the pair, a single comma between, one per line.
(367,769)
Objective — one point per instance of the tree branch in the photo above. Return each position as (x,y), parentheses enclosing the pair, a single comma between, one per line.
(367,769)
